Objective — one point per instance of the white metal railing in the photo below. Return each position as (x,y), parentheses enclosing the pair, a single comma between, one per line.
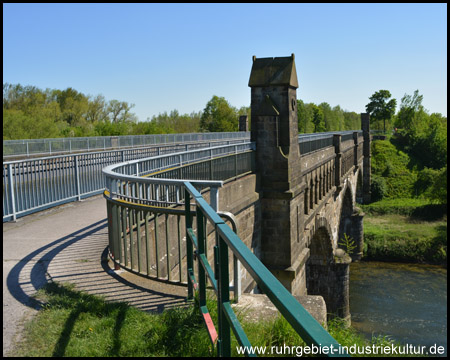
(42,147)
(36,184)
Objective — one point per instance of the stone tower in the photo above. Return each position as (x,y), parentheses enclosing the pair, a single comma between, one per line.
(274,129)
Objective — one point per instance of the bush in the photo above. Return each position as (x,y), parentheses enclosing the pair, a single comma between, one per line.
(378,187)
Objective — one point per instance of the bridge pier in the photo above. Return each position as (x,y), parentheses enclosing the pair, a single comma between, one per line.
(302,200)
(273,83)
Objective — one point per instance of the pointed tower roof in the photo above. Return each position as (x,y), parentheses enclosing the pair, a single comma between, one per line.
(273,71)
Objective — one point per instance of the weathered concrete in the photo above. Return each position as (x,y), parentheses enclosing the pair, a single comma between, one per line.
(258,307)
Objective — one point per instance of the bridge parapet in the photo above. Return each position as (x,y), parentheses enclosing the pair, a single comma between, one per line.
(146,215)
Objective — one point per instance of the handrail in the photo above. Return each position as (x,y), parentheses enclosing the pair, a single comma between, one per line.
(302,322)
(31,147)
(139,173)
(36,184)
(144,209)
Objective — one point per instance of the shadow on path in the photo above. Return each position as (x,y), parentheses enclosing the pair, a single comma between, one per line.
(77,258)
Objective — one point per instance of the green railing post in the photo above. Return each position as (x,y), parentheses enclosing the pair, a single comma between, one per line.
(201,238)
(224,348)
(189,247)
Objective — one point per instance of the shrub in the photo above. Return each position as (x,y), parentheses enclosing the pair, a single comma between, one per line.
(378,188)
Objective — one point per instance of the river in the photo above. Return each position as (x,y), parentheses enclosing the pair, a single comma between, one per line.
(408,302)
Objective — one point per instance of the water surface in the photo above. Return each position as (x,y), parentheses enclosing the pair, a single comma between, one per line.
(406,301)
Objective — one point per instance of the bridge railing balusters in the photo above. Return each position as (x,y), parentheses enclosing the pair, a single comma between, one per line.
(302,322)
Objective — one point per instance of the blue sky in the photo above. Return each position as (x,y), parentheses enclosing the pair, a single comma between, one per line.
(162,57)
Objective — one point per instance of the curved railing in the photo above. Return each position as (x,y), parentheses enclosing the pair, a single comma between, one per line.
(147,212)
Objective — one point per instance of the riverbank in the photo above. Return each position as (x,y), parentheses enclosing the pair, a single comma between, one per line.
(405,230)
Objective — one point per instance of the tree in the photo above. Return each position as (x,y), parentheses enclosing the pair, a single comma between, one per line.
(120,111)
(379,108)
(96,109)
(219,116)
(411,110)
(318,119)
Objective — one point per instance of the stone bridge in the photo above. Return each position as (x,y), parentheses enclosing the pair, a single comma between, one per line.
(292,205)
(299,203)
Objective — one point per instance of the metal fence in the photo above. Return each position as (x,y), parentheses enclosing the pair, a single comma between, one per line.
(143,205)
(28,147)
(317,141)
(218,276)
(37,184)
(145,218)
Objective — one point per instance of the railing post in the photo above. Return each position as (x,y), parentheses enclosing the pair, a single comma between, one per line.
(77,178)
(224,340)
(11,192)
(201,238)
(189,247)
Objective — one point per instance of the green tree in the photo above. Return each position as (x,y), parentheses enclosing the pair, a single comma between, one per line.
(438,191)
(352,120)
(219,116)
(96,109)
(379,108)
(423,135)
(411,110)
(120,111)
(318,119)
(305,115)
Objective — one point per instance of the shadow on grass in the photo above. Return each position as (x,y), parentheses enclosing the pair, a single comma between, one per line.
(430,212)
(176,332)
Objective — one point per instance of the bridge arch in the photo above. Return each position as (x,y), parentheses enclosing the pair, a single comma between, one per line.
(327,271)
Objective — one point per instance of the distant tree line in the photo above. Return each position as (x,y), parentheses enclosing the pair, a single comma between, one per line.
(32,113)
(319,118)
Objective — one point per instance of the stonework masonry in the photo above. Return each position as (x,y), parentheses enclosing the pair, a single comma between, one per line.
(307,202)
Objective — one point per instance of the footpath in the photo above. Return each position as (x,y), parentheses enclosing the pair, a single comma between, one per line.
(67,244)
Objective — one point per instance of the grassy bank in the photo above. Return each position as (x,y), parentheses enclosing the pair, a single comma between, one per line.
(410,230)
(76,324)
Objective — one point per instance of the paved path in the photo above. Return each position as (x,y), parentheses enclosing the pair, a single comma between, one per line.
(66,244)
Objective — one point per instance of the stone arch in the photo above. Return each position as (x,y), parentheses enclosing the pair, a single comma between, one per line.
(321,247)
(326,276)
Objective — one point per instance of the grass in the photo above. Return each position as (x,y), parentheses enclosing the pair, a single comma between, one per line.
(76,324)
(409,230)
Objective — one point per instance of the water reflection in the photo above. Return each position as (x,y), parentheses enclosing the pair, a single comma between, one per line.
(406,301)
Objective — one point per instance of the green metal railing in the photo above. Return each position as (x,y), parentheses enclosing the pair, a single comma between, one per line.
(218,274)
(141,208)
